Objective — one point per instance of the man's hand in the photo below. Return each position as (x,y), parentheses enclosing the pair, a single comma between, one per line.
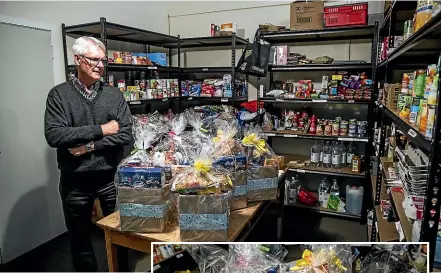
(110,128)
(78,151)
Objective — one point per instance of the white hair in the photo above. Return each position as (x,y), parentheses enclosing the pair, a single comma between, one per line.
(80,45)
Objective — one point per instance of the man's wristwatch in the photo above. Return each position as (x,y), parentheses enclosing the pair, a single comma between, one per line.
(90,147)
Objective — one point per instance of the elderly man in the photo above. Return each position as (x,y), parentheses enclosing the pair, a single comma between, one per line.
(89,123)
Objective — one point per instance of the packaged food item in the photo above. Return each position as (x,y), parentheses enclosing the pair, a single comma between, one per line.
(111,80)
(418,88)
(122,85)
(127,58)
(227,88)
(424,115)
(118,57)
(407,83)
(431,86)
(408,29)
(430,122)
(414,110)
(423,13)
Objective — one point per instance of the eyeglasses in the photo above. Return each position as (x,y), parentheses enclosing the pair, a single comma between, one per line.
(95,61)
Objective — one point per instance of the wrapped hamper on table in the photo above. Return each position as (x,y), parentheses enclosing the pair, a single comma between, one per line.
(262,181)
(231,157)
(204,195)
(143,198)
(245,258)
(323,259)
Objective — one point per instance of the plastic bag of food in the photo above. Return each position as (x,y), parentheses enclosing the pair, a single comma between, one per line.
(245,258)
(210,258)
(324,60)
(324,259)
(147,129)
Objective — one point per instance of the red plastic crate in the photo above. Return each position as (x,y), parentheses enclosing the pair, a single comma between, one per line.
(347,15)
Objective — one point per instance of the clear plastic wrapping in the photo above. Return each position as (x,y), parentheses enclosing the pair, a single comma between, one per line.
(245,258)
(147,129)
(257,148)
(210,258)
(324,259)
(380,260)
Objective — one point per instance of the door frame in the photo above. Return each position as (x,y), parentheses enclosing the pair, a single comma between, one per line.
(55,31)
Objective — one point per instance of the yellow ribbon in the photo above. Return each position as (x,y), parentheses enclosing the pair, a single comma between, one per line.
(258,143)
(308,259)
(203,166)
(221,135)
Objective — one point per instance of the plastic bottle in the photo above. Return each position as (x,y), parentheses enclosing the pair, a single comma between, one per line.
(336,155)
(327,155)
(292,190)
(322,191)
(334,189)
(354,199)
(315,154)
(349,154)
(322,145)
(343,155)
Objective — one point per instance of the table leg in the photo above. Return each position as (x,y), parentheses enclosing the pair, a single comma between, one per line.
(112,253)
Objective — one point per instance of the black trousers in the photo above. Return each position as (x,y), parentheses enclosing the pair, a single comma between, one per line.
(78,192)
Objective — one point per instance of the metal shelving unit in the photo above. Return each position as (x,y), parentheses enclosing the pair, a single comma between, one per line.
(368,33)
(419,50)
(105,31)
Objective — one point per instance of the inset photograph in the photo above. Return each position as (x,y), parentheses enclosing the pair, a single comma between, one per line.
(293,258)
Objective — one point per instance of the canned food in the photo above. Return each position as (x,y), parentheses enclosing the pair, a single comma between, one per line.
(408,29)
(361,128)
(336,129)
(344,124)
(328,129)
(352,121)
(343,131)
(338,119)
(430,122)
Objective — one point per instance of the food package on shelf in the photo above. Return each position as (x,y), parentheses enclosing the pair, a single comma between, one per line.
(322,258)
(244,258)
(203,201)
(143,198)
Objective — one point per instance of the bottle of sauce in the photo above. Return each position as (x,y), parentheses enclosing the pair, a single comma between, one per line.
(356,164)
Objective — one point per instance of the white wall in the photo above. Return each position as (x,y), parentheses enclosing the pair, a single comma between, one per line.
(146,15)
(192,19)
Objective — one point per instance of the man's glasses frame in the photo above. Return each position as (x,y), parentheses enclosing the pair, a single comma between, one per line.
(94,61)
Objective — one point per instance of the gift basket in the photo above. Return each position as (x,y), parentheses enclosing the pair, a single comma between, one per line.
(262,181)
(322,259)
(143,198)
(230,156)
(204,194)
(245,258)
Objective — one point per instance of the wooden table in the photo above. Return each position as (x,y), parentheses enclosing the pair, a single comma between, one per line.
(239,219)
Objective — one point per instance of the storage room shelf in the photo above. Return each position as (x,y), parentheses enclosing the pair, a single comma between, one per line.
(408,129)
(151,101)
(214,99)
(328,212)
(132,67)
(121,33)
(171,257)
(422,43)
(374,186)
(397,6)
(337,101)
(320,67)
(387,231)
(205,42)
(226,69)
(398,199)
(341,33)
(295,134)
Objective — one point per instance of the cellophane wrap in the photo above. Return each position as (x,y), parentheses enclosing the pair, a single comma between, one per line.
(210,258)
(254,141)
(147,129)
(278,251)
(322,259)
(230,155)
(171,152)
(246,258)
(204,199)
(143,198)
(382,260)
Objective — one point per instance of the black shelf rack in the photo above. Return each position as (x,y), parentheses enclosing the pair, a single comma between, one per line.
(368,33)
(419,50)
(105,31)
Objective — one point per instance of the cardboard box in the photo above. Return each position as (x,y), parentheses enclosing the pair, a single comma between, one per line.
(306,15)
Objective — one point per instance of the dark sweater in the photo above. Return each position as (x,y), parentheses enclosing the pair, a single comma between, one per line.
(72,120)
